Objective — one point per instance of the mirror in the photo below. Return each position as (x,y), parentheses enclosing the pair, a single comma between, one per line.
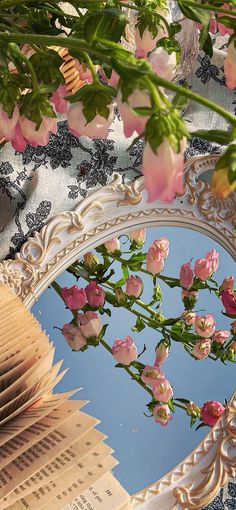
(145,450)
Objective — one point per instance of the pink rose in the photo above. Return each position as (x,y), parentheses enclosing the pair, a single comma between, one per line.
(95,295)
(90,324)
(213,257)
(74,337)
(228,283)
(125,351)
(233,327)
(74,297)
(138,236)
(163,245)
(40,136)
(163,171)
(222,28)
(205,325)
(162,353)
(220,336)
(188,317)
(151,374)
(112,245)
(84,72)
(162,390)
(228,298)
(154,260)
(7,124)
(203,269)
(189,298)
(18,142)
(58,100)
(162,414)
(78,125)
(186,276)
(230,66)
(131,122)
(211,412)
(202,348)
(163,63)
(134,286)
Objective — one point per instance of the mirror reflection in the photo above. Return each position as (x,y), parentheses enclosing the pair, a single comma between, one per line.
(172,348)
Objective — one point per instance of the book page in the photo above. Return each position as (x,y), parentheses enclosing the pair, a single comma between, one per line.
(16,332)
(105,494)
(17,352)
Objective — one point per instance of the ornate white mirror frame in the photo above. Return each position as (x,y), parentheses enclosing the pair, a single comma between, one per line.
(115,209)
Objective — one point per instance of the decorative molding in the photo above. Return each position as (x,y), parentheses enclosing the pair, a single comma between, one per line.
(109,211)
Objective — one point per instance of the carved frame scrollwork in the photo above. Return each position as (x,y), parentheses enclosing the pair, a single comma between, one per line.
(117,208)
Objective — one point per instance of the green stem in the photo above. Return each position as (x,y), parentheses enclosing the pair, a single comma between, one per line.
(14,50)
(179,405)
(154,94)
(207,7)
(89,62)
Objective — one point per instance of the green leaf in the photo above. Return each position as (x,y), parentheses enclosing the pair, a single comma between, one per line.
(183,400)
(136,261)
(171,405)
(106,24)
(195,14)
(122,281)
(192,421)
(206,41)
(139,326)
(214,135)
(47,67)
(138,365)
(200,426)
(228,21)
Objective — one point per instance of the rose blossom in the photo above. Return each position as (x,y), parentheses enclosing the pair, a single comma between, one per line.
(125,351)
(58,100)
(213,257)
(154,260)
(220,336)
(202,269)
(95,294)
(163,171)
(162,414)
(163,245)
(189,298)
(112,245)
(186,276)
(188,317)
(230,66)
(228,298)
(78,125)
(74,337)
(162,390)
(228,283)
(40,136)
(74,297)
(163,63)
(138,236)
(202,348)
(90,324)
(151,374)
(204,325)
(162,353)
(131,122)
(134,286)
(8,124)
(211,412)
(18,142)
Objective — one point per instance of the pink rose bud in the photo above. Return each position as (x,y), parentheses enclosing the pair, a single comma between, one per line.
(162,390)
(120,296)
(74,337)
(154,260)
(90,324)
(133,123)
(163,63)
(211,412)
(112,245)
(125,351)
(189,298)
(74,297)
(230,66)
(78,125)
(202,348)
(220,336)
(228,298)
(58,100)
(193,409)
(233,327)
(151,374)
(163,245)
(7,124)
(228,283)
(205,325)
(91,260)
(40,136)
(95,295)
(162,414)
(134,286)
(162,353)
(19,142)
(163,171)
(138,236)
(213,257)
(203,269)
(186,276)
(189,318)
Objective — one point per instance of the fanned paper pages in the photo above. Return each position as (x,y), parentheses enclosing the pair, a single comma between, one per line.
(51,455)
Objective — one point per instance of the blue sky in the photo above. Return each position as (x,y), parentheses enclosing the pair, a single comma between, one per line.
(145,450)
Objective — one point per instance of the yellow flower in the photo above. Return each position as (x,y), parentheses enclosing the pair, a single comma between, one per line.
(220,184)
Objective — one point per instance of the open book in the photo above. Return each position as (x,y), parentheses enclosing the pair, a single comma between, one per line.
(51,455)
